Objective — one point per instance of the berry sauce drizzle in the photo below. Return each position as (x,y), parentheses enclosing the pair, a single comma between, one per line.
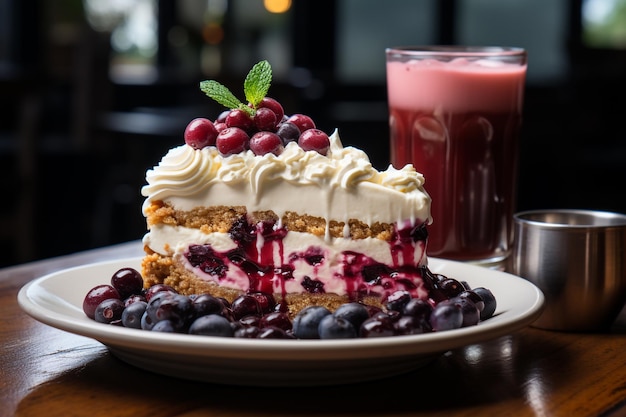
(260,245)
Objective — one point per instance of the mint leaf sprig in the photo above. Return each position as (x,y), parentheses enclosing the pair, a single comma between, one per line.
(255,88)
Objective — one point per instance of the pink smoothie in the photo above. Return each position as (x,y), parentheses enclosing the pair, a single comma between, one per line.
(458,123)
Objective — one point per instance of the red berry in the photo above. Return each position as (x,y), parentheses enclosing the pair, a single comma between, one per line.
(219,126)
(266,142)
(232,140)
(239,118)
(200,133)
(274,106)
(314,140)
(303,122)
(265,119)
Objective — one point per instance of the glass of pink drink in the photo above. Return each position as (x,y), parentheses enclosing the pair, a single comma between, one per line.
(455,114)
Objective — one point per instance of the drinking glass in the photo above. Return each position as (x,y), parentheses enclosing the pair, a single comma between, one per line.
(455,114)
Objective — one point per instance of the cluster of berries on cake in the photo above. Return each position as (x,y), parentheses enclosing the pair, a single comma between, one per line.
(260,126)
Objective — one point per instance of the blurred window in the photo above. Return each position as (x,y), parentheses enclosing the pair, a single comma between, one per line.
(539,26)
(366,27)
(604,24)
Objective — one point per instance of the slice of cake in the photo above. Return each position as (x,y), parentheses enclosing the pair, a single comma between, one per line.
(260,202)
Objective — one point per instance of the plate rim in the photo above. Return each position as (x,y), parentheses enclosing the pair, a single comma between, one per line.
(253,349)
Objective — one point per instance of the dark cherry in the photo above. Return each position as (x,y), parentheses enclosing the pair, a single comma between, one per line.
(249,332)
(273,333)
(266,301)
(249,321)
(451,287)
(377,326)
(245,305)
(127,281)
(276,319)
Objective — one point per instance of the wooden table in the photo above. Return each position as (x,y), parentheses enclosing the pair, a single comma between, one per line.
(49,372)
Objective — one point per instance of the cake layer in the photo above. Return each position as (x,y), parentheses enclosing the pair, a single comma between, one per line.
(222,218)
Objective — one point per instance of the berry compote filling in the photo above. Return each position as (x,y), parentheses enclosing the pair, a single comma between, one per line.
(261,262)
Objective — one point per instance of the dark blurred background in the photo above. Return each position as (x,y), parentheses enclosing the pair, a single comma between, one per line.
(93,92)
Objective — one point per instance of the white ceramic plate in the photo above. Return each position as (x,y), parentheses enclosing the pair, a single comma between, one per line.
(56,299)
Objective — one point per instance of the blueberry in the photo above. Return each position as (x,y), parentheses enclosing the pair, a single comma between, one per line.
(489,300)
(109,311)
(164,326)
(147,323)
(446,316)
(331,327)
(355,313)
(155,301)
(471,314)
(177,308)
(205,304)
(212,325)
(306,322)
(131,317)
(480,304)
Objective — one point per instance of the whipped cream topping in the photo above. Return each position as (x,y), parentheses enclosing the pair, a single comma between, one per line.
(350,186)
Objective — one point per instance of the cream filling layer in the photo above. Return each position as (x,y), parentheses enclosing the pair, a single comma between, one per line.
(175,240)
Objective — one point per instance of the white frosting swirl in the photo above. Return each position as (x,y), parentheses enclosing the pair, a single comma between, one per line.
(340,185)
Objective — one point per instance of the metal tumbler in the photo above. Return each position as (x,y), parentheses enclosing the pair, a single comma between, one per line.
(578,259)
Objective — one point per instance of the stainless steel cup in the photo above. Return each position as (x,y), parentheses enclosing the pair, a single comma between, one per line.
(578,259)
